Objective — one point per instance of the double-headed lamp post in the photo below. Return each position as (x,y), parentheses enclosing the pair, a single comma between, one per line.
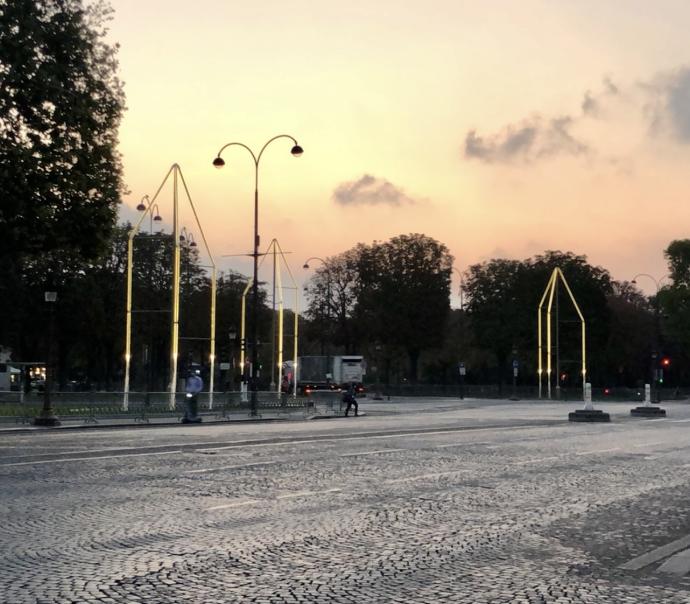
(328,305)
(47,416)
(218,162)
(657,331)
(461,289)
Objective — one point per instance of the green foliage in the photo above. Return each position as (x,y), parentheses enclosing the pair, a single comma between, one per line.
(60,107)
(395,293)
(678,256)
(504,296)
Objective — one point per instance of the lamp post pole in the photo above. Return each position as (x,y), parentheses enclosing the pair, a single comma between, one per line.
(656,353)
(47,416)
(461,288)
(218,162)
(232,335)
(328,307)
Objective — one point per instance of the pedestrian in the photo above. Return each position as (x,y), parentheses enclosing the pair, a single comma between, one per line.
(350,397)
(193,386)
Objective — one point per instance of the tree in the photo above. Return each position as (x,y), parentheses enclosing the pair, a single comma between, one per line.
(677,255)
(403,294)
(332,295)
(504,296)
(497,308)
(60,107)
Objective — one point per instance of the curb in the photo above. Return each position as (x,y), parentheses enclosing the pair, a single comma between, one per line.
(35,429)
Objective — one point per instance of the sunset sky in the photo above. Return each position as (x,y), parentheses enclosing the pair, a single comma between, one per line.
(501,129)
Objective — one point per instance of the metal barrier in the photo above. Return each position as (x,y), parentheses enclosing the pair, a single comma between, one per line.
(143,406)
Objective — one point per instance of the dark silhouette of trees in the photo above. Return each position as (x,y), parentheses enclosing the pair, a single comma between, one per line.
(60,107)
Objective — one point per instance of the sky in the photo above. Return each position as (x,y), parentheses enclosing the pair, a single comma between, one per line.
(500,128)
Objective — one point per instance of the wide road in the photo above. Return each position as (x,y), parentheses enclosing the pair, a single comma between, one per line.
(424,501)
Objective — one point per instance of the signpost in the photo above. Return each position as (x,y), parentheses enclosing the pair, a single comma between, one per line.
(515,374)
(461,369)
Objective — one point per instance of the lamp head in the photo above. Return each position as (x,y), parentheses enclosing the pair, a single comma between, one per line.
(306,265)
(141,207)
(158,217)
(634,282)
(219,162)
(297,151)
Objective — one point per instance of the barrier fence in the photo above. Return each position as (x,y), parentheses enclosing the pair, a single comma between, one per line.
(92,406)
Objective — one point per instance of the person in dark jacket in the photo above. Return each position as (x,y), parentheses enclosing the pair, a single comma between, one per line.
(350,397)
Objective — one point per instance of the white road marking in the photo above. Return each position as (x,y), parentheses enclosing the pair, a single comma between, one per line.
(598,451)
(307,493)
(373,452)
(234,467)
(649,444)
(28,463)
(522,463)
(236,504)
(463,445)
(423,476)
(679,421)
(657,554)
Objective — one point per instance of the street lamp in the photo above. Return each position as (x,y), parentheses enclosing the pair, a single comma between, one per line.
(461,289)
(219,162)
(47,416)
(142,207)
(328,307)
(232,335)
(656,394)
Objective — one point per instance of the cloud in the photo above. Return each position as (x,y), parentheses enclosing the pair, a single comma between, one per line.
(669,107)
(369,190)
(536,138)
(540,137)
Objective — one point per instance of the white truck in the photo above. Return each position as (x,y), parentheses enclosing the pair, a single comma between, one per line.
(330,372)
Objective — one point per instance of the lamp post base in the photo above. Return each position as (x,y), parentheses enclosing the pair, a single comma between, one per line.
(589,415)
(649,411)
(46,418)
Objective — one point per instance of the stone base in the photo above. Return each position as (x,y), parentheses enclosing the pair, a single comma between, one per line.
(589,415)
(46,420)
(650,411)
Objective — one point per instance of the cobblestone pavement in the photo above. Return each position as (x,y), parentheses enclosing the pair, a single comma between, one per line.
(429,502)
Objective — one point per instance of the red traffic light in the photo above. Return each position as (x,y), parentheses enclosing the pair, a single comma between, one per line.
(665,362)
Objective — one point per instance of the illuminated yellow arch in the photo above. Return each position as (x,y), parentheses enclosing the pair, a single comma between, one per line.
(550,291)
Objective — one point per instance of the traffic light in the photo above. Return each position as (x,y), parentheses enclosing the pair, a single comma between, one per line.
(665,362)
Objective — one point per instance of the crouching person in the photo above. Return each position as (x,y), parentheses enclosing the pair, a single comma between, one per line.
(350,398)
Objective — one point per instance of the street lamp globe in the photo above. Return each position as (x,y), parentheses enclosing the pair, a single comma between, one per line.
(297,151)
(306,265)
(218,162)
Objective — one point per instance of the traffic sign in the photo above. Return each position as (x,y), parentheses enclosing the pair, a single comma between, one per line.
(515,364)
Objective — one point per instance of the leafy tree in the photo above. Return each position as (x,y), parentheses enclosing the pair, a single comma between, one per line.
(504,296)
(332,296)
(497,307)
(403,294)
(677,255)
(60,107)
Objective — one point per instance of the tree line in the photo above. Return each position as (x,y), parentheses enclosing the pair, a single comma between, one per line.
(390,301)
